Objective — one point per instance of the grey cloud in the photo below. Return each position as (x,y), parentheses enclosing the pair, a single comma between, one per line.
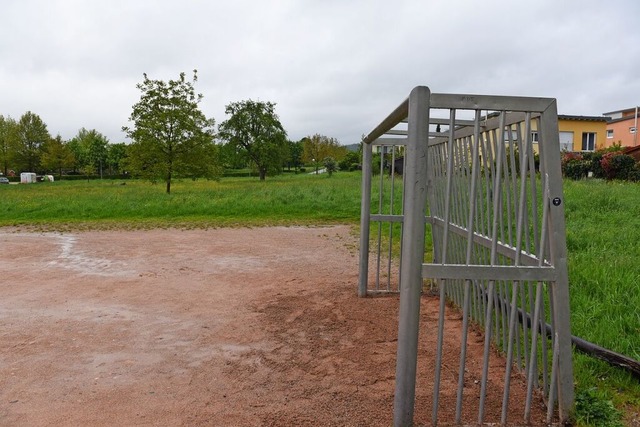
(332,67)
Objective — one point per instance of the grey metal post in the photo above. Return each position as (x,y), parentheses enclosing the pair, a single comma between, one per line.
(365,211)
(412,256)
(558,249)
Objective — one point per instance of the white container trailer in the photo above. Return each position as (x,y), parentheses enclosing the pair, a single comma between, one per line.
(27,177)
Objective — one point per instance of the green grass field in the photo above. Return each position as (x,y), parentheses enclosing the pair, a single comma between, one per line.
(299,199)
(603,239)
(603,242)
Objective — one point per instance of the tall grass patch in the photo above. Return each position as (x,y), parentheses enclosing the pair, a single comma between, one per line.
(603,241)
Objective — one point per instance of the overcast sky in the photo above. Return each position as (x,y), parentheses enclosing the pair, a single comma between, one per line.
(334,67)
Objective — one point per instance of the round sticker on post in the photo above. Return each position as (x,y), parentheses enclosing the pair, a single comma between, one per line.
(556,201)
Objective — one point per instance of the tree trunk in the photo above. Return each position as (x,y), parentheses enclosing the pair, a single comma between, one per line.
(263,174)
(169,183)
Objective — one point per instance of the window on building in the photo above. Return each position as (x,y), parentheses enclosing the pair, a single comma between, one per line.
(566,141)
(609,133)
(632,129)
(588,141)
(535,137)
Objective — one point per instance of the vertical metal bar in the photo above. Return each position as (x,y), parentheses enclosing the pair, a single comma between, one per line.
(552,390)
(528,170)
(558,255)
(536,319)
(393,176)
(504,312)
(404,186)
(534,192)
(533,357)
(469,253)
(521,214)
(537,224)
(543,345)
(380,203)
(544,248)
(484,195)
(497,203)
(365,211)
(508,178)
(554,337)
(525,329)
(445,243)
(413,255)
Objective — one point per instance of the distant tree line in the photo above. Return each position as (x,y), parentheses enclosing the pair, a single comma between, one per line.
(27,146)
(170,137)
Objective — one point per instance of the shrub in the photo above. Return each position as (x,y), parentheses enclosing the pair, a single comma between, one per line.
(594,158)
(568,156)
(634,174)
(577,169)
(330,165)
(617,165)
(574,166)
(352,158)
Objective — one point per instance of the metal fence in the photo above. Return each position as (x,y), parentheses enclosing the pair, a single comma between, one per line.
(481,190)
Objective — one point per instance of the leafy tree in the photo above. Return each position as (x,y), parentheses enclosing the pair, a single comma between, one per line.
(8,133)
(56,155)
(80,150)
(350,161)
(32,134)
(116,153)
(232,157)
(255,130)
(90,150)
(318,147)
(170,135)
(330,165)
(98,151)
(294,157)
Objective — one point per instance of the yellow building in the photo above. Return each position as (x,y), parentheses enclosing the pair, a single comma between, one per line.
(582,133)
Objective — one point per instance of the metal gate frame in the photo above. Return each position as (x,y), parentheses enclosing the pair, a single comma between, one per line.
(498,236)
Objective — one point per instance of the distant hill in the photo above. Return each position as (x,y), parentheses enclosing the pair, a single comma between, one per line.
(353,147)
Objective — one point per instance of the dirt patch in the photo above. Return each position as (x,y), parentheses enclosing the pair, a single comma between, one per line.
(234,327)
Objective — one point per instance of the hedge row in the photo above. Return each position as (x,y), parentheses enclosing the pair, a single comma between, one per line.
(605,164)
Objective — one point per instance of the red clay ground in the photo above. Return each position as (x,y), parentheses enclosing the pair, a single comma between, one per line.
(226,327)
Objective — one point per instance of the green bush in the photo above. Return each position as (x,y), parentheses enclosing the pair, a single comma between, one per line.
(634,174)
(330,165)
(577,169)
(594,158)
(574,166)
(347,164)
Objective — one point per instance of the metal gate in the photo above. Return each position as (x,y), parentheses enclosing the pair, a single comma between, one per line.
(481,180)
